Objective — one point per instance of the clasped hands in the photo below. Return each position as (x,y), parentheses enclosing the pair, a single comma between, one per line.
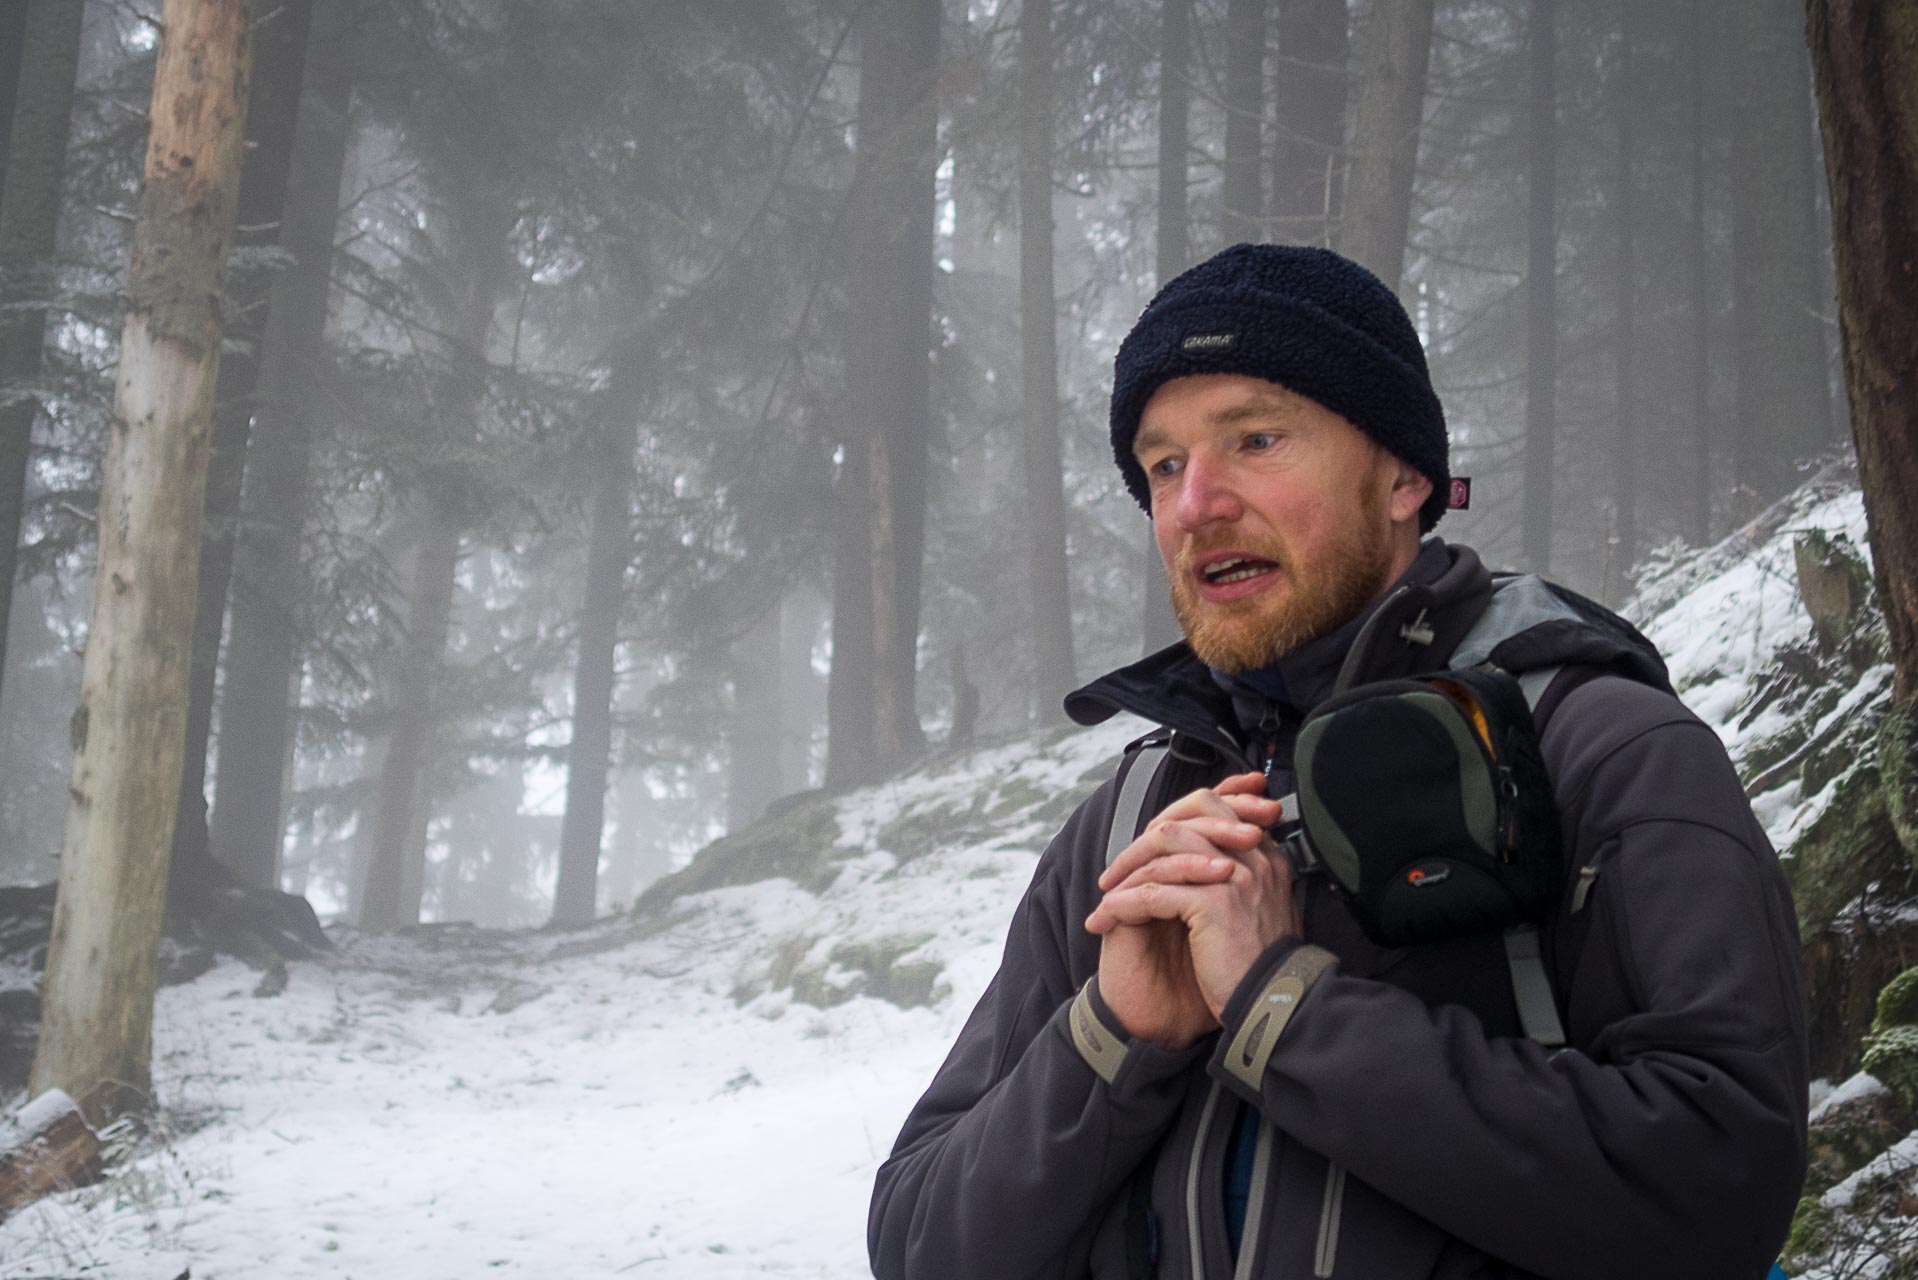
(1188,907)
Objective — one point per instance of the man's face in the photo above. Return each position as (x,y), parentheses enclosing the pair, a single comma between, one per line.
(1277,519)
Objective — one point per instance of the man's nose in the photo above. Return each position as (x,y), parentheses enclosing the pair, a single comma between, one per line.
(1206,495)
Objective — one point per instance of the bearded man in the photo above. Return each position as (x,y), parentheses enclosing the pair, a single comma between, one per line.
(1196,1062)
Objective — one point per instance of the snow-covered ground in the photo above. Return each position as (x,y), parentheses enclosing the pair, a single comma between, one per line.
(649,1097)
(601,1103)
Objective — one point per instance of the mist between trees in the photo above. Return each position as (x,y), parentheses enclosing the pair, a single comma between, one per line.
(630,414)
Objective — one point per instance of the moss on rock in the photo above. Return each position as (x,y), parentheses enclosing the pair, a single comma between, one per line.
(1843,1137)
(1898,1002)
(875,968)
(920,831)
(1850,847)
(1892,1056)
(798,845)
(1869,1234)
(1898,772)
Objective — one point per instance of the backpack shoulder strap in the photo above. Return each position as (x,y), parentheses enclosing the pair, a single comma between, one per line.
(1155,767)
(1524,952)
(1136,782)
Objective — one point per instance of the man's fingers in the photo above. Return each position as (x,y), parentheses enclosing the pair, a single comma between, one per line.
(1143,904)
(1184,868)
(1197,835)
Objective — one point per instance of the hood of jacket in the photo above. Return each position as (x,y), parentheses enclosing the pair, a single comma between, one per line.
(1414,628)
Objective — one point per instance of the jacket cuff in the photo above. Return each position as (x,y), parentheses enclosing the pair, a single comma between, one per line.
(1264,1003)
(1123,1062)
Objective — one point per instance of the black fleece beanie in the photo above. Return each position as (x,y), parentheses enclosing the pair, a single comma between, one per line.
(1312,321)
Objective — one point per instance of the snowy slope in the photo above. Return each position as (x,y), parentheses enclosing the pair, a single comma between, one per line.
(1722,616)
(643,1098)
(703,1089)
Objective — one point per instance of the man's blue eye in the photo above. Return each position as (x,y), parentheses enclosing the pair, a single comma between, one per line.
(1164,467)
(1261,440)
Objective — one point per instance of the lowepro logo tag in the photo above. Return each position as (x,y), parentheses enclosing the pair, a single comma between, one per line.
(1208,342)
(1420,877)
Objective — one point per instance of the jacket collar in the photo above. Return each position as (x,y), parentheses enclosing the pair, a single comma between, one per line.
(1413,628)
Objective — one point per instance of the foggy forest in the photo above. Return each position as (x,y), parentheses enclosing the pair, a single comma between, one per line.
(642,485)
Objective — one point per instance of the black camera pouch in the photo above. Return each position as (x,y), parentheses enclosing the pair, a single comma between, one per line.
(1427,801)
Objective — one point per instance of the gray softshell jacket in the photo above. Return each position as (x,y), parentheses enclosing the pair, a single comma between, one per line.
(1408,1129)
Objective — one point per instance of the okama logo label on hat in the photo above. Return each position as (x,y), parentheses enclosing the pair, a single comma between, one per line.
(1420,877)
(1208,342)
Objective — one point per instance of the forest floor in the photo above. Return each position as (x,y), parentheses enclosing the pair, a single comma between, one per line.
(647,1097)
(703,1088)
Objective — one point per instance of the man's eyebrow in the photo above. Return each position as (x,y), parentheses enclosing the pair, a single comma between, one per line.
(1262,409)
(1148,438)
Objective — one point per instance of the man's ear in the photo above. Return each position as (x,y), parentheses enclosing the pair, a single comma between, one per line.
(1410,488)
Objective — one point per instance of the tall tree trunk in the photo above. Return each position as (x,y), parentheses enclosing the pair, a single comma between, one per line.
(13,40)
(1696,253)
(903,376)
(800,618)
(1039,377)
(1310,105)
(402,805)
(889,412)
(403,808)
(1865,58)
(575,898)
(849,696)
(259,706)
(1242,198)
(1394,54)
(1174,244)
(279,53)
(758,723)
(97,1030)
(1541,281)
(1173,250)
(1623,551)
(1780,354)
(29,222)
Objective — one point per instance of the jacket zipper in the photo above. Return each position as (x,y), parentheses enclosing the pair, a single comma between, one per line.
(1331,1209)
(1194,1234)
(1255,1201)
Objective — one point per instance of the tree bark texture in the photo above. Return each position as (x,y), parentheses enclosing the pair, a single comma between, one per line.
(1309,103)
(1053,675)
(1700,526)
(475,270)
(29,222)
(131,722)
(1779,353)
(889,410)
(1865,61)
(259,702)
(1242,196)
(1173,252)
(576,896)
(272,110)
(1541,280)
(1623,550)
(1394,53)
